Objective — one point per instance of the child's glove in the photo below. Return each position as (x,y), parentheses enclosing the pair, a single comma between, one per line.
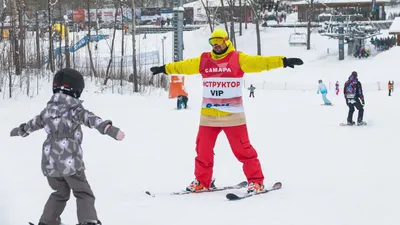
(114,132)
(19,131)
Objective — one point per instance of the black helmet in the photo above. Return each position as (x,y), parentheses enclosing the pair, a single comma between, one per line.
(354,74)
(319,81)
(68,81)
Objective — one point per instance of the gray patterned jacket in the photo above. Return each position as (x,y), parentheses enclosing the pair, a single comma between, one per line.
(62,119)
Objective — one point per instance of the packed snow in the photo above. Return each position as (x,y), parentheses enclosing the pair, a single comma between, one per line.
(331,175)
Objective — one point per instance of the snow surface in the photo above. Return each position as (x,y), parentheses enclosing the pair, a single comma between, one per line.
(395,27)
(331,175)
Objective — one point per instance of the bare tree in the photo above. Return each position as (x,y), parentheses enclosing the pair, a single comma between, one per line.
(89,41)
(21,33)
(14,36)
(256,8)
(240,17)
(310,16)
(231,4)
(51,47)
(66,38)
(223,15)
(208,13)
(38,55)
(107,76)
(122,45)
(135,77)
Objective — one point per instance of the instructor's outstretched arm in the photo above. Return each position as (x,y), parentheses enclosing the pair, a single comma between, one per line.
(186,67)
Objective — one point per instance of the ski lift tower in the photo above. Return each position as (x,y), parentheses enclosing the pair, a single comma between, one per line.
(178,30)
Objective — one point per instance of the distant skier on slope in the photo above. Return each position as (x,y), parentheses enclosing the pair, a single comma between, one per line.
(251,89)
(322,89)
(354,97)
(182,102)
(222,70)
(337,88)
(62,161)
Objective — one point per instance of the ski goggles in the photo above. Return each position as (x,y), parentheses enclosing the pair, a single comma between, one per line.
(216,41)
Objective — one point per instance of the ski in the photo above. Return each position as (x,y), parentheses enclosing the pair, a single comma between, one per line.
(184,192)
(30,223)
(354,125)
(327,105)
(234,197)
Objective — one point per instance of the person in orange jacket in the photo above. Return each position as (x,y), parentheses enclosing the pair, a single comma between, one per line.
(390,88)
(222,70)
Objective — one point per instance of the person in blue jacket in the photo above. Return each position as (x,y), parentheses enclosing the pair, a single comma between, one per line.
(322,89)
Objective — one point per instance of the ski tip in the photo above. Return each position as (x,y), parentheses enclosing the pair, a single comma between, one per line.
(149,193)
(232,197)
(243,184)
(277,185)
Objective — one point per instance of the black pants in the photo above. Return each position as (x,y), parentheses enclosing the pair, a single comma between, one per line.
(251,94)
(390,92)
(355,103)
(185,103)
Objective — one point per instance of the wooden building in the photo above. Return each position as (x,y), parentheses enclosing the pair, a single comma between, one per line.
(363,8)
(395,29)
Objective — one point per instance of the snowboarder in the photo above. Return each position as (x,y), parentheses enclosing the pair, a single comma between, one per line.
(337,87)
(322,89)
(62,161)
(182,101)
(390,88)
(251,88)
(354,96)
(222,71)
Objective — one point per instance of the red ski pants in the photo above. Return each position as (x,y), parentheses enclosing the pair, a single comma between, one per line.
(242,149)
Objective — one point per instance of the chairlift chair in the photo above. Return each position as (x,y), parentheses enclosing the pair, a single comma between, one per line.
(298,39)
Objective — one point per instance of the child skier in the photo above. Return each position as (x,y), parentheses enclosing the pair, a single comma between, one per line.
(337,87)
(324,91)
(62,161)
(390,88)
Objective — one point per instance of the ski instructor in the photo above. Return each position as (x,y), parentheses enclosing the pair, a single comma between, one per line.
(222,70)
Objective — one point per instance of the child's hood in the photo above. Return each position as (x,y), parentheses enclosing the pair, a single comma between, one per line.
(61,103)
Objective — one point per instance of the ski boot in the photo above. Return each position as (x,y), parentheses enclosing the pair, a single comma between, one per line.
(350,123)
(254,188)
(93,222)
(197,186)
(361,123)
(58,220)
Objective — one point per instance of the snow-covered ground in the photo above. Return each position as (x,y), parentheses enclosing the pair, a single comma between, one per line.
(331,175)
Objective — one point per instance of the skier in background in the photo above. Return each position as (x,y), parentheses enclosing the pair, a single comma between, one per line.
(392,85)
(354,97)
(222,70)
(251,88)
(337,87)
(182,101)
(62,161)
(390,88)
(322,89)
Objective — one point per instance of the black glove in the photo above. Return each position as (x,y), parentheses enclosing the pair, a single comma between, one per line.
(291,62)
(19,131)
(158,69)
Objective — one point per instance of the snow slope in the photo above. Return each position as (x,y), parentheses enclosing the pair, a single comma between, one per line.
(331,175)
